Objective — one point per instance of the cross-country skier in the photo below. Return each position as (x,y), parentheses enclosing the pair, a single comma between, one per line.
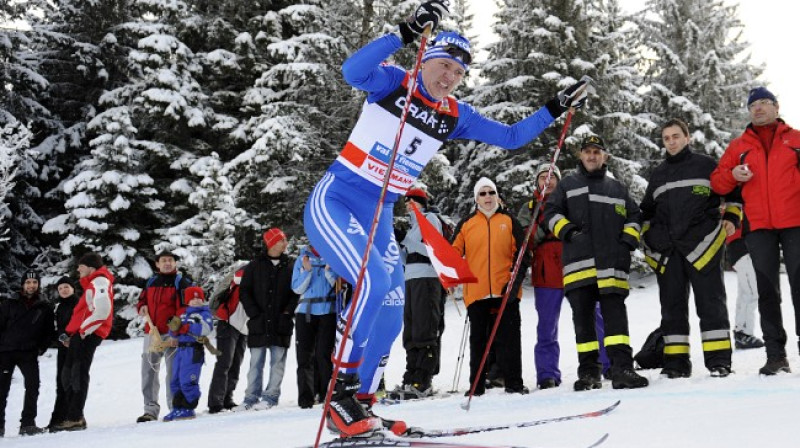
(341,206)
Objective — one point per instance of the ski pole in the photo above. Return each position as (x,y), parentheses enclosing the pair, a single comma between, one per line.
(518,262)
(337,362)
(460,360)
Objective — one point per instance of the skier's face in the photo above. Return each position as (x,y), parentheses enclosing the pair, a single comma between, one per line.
(763,112)
(674,139)
(441,76)
(593,158)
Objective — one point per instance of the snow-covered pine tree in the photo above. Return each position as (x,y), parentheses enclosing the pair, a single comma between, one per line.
(22,112)
(699,71)
(14,138)
(614,110)
(206,240)
(288,143)
(111,206)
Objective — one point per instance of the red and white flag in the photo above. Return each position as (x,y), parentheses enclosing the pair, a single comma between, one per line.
(451,268)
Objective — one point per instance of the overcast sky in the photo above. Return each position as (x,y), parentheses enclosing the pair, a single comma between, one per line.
(771,27)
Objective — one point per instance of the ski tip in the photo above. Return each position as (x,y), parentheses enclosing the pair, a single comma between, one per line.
(600,441)
(613,406)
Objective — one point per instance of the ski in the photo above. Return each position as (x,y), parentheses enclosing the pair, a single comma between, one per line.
(416,432)
(384,441)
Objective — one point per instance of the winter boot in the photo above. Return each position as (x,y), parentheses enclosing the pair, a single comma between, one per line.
(548,383)
(30,430)
(675,373)
(720,371)
(587,382)
(346,416)
(628,379)
(775,365)
(71,425)
(744,341)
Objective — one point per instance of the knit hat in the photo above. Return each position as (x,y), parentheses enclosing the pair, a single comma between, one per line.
(272,236)
(593,140)
(449,45)
(65,280)
(760,93)
(91,260)
(482,182)
(419,195)
(30,273)
(544,167)
(193,292)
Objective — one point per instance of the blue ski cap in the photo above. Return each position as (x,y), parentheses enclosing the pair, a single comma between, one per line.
(449,45)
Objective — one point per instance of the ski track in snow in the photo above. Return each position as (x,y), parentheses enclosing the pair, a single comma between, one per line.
(742,410)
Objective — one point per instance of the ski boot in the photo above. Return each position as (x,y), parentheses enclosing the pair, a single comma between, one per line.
(346,416)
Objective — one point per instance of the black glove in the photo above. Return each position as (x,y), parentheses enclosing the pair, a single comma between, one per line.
(429,13)
(657,239)
(571,234)
(573,96)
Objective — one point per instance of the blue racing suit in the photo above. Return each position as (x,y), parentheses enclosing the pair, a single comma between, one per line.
(190,355)
(340,209)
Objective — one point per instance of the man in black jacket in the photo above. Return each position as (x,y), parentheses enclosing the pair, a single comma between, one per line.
(599,223)
(67,299)
(26,329)
(267,296)
(684,234)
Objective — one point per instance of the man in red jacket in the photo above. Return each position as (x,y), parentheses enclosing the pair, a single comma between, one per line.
(159,301)
(765,161)
(90,324)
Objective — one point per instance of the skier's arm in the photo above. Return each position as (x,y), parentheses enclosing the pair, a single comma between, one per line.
(365,70)
(99,303)
(474,126)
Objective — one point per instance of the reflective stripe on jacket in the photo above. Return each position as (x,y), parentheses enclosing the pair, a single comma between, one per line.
(607,221)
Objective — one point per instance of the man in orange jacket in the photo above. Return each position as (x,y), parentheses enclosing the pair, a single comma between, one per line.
(765,162)
(490,239)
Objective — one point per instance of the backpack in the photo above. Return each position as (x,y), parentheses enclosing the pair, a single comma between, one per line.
(224,296)
(651,356)
(178,278)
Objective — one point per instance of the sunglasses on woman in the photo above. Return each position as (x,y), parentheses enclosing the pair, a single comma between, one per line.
(484,193)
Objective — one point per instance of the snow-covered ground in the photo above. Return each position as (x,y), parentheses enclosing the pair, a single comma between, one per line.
(742,410)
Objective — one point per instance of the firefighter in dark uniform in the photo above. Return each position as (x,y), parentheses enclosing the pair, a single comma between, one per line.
(599,224)
(683,235)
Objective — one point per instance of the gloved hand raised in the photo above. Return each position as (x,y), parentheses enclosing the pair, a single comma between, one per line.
(575,95)
(429,13)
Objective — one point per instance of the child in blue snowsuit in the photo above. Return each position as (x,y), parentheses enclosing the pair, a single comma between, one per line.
(193,323)
(340,210)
